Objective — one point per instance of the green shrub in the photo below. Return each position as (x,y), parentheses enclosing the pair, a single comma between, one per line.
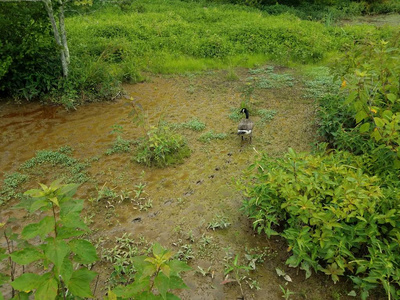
(335,218)
(372,88)
(161,147)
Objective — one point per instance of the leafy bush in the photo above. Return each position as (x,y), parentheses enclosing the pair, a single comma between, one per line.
(161,147)
(374,94)
(335,218)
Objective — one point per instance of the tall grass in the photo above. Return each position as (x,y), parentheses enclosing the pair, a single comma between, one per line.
(174,36)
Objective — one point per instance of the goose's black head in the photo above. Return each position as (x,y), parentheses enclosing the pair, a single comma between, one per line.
(246,112)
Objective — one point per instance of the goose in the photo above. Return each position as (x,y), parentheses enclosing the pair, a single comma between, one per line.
(246,125)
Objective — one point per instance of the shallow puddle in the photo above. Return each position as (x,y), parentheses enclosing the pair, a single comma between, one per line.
(185,198)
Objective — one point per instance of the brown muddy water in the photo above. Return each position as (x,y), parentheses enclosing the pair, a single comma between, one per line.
(185,198)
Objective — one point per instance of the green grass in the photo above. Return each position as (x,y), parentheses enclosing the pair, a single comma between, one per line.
(56,163)
(194,124)
(176,37)
(211,135)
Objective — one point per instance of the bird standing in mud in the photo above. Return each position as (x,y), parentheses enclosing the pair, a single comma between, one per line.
(246,125)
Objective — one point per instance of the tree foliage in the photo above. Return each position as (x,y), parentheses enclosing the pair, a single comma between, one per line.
(29,60)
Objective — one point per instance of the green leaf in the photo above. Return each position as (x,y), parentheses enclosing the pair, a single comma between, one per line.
(178,266)
(35,193)
(161,282)
(176,282)
(3,254)
(376,135)
(148,296)
(79,284)
(44,227)
(166,270)
(55,201)
(47,290)
(56,250)
(396,163)
(391,97)
(361,115)
(66,232)
(27,282)
(133,289)
(387,114)
(379,122)
(140,263)
(21,296)
(70,214)
(69,190)
(158,249)
(364,127)
(351,97)
(26,255)
(66,270)
(172,297)
(85,252)
(306,267)
(38,204)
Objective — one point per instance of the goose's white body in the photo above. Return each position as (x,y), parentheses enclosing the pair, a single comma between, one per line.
(246,125)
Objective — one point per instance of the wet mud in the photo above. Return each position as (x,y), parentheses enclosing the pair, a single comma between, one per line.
(185,198)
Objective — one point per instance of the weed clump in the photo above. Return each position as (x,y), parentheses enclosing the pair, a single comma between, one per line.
(10,185)
(211,135)
(161,147)
(73,170)
(120,145)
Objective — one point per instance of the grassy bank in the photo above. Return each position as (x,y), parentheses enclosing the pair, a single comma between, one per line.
(115,44)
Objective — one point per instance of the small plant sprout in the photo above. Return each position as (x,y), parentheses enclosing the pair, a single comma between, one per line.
(286,293)
(185,253)
(117,129)
(155,275)
(205,273)
(255,256)
(219,222)
(239,272)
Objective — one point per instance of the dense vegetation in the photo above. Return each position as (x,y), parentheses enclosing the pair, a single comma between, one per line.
(338,209)
(116,42)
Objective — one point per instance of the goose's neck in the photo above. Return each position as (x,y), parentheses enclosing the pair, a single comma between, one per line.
(247,114)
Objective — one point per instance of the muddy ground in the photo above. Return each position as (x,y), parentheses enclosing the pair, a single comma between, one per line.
(184,198)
